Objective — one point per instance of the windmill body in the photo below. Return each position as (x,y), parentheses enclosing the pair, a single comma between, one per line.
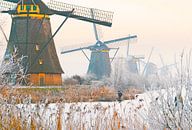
(47,69)
(100,64)
(29,31)
(132,66)
(32,36)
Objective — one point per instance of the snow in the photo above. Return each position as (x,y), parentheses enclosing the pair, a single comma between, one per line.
(91,115)
(153,109)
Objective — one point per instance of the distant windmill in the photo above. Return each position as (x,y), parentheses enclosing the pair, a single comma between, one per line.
(133,61)
(99,63)
(150,68)
(31,34)
(136,64)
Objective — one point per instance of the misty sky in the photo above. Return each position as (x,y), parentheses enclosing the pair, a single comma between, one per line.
(165,25)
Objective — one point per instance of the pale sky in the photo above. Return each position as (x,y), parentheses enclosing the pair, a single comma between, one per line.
(165,25)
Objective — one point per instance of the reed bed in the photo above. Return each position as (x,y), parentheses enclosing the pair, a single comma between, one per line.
(20,109)
(20,113)
(67,94)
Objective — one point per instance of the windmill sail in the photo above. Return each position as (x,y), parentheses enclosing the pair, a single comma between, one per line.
(13,1)
(54,7)
(7,5)
(83,13)
(72,50)
(120,39)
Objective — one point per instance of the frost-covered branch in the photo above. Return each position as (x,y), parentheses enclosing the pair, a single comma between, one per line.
(12,70)
(171,105)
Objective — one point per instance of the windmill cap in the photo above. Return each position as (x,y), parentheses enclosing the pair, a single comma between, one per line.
(31,1)
(99,46)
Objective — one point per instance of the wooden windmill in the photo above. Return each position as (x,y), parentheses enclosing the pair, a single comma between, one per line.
(99,63)
(31,34)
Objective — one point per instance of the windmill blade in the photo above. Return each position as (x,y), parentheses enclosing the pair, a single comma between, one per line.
(120,39)
(128,46)
(7,4)
(4,34)
(12,1)
(82,13)
(167,66)
(78,49)
(95,31)
(117,49)
(148,60)
(139,57)
(94,27)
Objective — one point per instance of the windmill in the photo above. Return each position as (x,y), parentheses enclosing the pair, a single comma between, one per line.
(99,63)
(133,61)
(31,34)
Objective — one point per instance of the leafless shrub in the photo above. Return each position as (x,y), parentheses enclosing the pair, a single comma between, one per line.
(12,70)
(170,105)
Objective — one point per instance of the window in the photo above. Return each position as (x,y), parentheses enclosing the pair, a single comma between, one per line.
(37,48)
(28,7)
(34,7)
(40,61)
(22,7)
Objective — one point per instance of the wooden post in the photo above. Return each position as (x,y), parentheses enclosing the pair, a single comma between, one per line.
(144,127)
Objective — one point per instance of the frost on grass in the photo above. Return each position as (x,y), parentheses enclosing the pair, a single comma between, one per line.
(96,115)
(171,101)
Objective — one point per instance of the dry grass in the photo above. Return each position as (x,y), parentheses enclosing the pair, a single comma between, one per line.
(11,116)
(67,94)
(129,94)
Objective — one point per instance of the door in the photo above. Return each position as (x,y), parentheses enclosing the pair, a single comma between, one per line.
(42,79)
(42,82)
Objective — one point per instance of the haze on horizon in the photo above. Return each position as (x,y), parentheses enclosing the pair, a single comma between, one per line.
(165,25)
